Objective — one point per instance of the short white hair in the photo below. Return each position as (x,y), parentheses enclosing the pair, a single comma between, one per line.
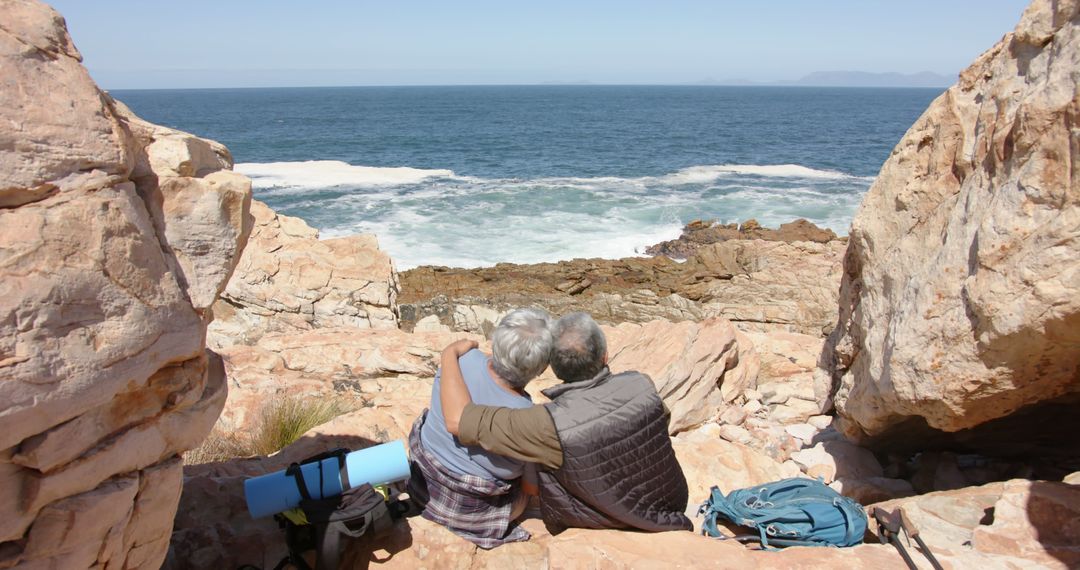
(521,345)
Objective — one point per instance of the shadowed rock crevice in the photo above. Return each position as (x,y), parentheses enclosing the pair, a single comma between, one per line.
(230,537)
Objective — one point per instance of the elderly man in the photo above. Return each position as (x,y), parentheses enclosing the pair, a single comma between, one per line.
(602,442)
(475,493)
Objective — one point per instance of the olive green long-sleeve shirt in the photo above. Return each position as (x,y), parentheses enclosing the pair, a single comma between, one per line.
(526,434)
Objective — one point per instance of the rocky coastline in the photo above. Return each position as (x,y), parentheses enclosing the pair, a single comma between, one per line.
(149,304)
(760,279)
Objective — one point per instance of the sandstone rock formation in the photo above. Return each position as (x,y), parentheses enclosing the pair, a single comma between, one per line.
(423,544)
(1010,524)
(757,284)
(960,300)
(34,167)
(114,242)
(612,291)
(708,460)
(200,206)
(768,286)
(382,368)
(289,280)
(786,379)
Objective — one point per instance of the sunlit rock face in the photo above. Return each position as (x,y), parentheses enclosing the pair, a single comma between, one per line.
(116,237)
(288,280)
(960,300)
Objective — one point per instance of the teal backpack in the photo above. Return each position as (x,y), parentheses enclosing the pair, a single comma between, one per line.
(791,512)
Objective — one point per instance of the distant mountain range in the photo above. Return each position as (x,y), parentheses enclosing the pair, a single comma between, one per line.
(867,79)
(851,79)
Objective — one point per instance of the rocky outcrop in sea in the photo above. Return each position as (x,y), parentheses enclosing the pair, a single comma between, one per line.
(700,233)
(759,284)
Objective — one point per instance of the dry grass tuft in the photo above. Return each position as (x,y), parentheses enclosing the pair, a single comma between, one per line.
(281,422)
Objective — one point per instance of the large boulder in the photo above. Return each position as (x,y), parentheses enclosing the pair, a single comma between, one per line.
(59,133)
(109,262)
(960,300)
(288,280)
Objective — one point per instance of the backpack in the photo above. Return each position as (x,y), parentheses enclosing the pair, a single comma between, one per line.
(790,512)
(319,524)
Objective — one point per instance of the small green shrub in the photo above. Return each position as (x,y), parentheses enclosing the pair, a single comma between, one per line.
(282,421)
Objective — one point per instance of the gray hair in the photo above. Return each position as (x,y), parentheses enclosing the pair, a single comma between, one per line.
(580,348)
(521,345)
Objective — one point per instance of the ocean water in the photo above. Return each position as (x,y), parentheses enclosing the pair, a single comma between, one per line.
(473,176)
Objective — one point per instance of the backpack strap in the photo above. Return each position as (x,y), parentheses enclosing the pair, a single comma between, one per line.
(710,509)
(297,474)
(321,514)
(849,524)
(296,471)
(343,470)
(327,546)
(295,554)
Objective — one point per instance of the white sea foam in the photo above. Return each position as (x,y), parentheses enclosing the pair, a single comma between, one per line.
(435,217)
(312,174)
(453,241)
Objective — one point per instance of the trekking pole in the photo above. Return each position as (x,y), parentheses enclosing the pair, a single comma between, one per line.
(912,532)
(889,528)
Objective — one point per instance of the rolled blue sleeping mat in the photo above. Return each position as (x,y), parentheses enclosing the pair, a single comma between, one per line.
(377,465)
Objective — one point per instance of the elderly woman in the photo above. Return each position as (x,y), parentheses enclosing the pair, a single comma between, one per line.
(472,492)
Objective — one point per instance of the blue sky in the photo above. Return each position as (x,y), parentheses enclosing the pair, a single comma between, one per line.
(249,43)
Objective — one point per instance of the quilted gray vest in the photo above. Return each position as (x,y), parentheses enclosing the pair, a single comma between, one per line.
(619,470)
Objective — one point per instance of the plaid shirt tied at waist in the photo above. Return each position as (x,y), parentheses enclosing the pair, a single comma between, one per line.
(472,507)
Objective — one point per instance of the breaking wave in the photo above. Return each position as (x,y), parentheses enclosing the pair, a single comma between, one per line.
(436,217)
(331,173)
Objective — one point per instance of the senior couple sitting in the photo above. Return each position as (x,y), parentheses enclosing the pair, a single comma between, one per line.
(598,455)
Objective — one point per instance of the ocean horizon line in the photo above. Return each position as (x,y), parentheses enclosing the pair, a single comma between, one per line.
(553,85)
